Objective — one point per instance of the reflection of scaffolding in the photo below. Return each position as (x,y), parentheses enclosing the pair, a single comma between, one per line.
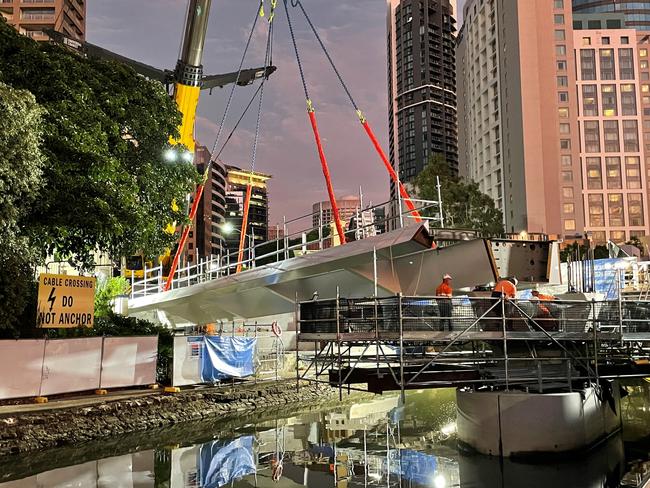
(400,343)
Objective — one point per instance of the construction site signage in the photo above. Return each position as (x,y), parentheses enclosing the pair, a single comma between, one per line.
(65,301)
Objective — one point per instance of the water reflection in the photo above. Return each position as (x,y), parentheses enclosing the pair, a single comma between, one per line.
(375,443)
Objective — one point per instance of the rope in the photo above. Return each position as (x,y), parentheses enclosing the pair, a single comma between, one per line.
(314,126)
(232,90)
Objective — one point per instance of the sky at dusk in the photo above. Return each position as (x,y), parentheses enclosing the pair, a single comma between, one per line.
(355,33)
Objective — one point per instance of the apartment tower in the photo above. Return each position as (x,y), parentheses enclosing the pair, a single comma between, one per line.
(421,85)
(32,17)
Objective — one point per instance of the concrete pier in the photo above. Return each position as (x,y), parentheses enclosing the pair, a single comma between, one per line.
(518,424)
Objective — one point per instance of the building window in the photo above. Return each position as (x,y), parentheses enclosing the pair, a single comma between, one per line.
(569,224)
(609,100)
(562,81)
(643,53)
(567,192)
(565,128)
(594,174)
(587,64)
(626,64)
(589,100)
(568,208)
(567,176)
(563,112)
(615,207)
(558,3)
(596,210)
(604,41)
(610,132)
(625,40)
(630,136)
(558,19)
(592,136)
(617,236)
(635,209)
(607,71)
(565,143)
(559,35)
(599,236)
(560,50)
(613,168)
(561,65)
(563,97)
(633,172)
(628,99)
(566,160)
(586,41)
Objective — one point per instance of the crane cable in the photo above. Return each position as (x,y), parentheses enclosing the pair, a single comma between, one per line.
(364,122)
(268,60)
(198,194)
(314,126)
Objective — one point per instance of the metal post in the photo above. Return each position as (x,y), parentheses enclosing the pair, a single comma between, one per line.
(304,243)
(296,321)
(374,270)
(620,305)
(338,341)
(442,218)
(505,341)
(277,243)
(320,226)
(401,213)
(132,284)
(285,238)
(401,349)
(595,329)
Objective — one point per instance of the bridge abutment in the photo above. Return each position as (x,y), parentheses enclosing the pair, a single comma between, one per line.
(519,424)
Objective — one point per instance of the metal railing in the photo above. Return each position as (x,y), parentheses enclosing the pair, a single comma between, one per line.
(437,341)
(292,243)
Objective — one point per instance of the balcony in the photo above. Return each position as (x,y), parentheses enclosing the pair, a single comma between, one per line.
(37,17)
(31,2)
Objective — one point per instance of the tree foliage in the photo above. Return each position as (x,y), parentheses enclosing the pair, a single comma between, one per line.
(464,205)
(106,290)
(105,183)
(81,162)
(21,166)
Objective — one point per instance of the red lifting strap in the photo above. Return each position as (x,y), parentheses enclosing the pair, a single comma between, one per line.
(391,171)
(186,232)
(326,173)
(244,226)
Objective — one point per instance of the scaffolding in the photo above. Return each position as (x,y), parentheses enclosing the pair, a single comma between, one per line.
(399,342)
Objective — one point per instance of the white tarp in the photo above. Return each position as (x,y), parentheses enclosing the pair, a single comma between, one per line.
(129,361)
(71,365)
(21,363)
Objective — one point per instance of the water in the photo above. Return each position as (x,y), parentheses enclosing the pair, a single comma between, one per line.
(405,446)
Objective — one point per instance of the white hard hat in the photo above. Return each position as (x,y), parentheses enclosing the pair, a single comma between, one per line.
(447,276)
(515,281)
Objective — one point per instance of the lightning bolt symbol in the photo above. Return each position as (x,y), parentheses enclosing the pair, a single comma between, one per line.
(51,298)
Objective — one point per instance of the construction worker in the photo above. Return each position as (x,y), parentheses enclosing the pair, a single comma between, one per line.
(445,292)
(506,288)
(542,297)
(543,311)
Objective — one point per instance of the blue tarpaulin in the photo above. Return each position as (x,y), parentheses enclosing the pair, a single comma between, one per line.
(222,462)
(415,466)
(227,357)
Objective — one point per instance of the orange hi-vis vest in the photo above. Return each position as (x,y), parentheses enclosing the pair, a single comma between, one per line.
(506,288)
(546,298)
(444,290)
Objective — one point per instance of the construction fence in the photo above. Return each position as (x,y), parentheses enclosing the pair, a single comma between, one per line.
(44,367)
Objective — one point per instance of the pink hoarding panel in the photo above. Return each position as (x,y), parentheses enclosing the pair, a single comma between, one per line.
(20,368)
(129,361)
(71,365)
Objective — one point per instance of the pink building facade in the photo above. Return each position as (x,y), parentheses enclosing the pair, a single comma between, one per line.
(612,153)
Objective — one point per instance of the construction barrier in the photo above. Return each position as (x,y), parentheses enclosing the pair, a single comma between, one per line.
(42,367)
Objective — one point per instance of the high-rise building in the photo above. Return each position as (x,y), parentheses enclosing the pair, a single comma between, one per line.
(421,85)
(32,17)
(206,238)
(514,84)
(258,213)
(635,13)
(552,117)
(348,207)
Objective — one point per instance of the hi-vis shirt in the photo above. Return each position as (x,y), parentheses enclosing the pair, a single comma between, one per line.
(506,288)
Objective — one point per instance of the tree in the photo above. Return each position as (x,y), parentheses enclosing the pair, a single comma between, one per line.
(106,185)
(106,290)
(21,167)
(464,205)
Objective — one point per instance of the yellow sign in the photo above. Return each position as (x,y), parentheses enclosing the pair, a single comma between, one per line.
(65,301)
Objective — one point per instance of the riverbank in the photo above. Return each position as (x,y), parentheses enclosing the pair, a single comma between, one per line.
(27,432)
